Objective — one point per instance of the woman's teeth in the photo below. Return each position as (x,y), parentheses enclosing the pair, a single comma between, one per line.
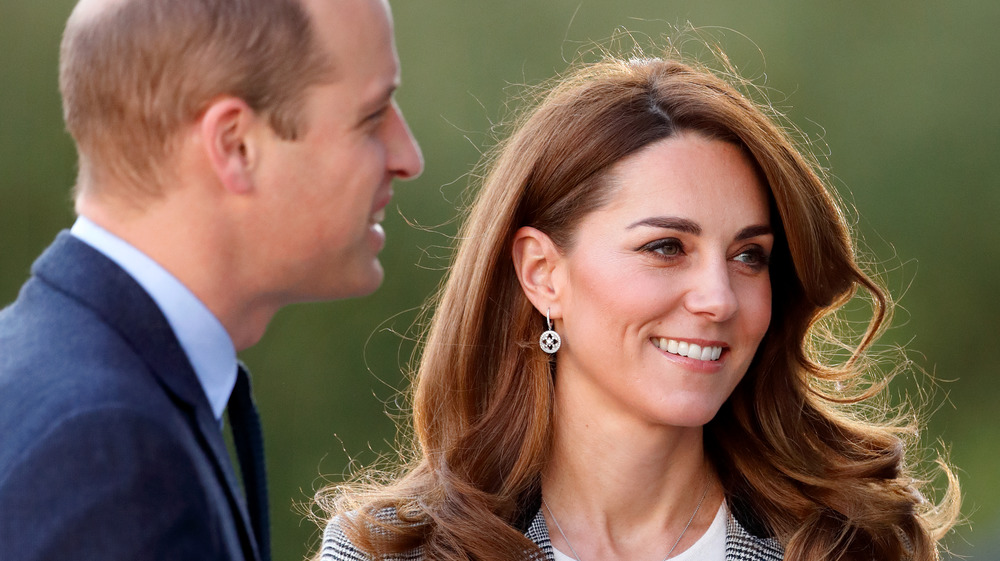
(690,350)
(378,216)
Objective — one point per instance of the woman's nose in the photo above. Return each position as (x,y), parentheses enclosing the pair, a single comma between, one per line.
(711,292)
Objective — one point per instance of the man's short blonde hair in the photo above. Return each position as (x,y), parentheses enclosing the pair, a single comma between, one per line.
(133,72)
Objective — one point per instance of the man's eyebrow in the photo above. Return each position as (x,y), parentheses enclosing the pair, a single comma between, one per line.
(669,223)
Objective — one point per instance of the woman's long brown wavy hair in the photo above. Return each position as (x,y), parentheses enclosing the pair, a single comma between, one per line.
(799,452)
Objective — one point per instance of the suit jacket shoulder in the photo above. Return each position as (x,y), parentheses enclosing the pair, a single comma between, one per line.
(110,447)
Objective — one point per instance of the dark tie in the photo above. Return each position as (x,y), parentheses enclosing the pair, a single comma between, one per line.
(249,441)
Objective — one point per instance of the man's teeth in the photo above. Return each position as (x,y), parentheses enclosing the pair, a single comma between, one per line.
(690,350)
(378,216)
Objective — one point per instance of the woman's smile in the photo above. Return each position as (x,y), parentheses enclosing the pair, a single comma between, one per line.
(704,352)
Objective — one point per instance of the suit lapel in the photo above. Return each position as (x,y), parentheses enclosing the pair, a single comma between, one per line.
(538,532)
(91,278)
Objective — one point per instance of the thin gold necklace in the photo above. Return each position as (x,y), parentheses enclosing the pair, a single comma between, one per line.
(672,548)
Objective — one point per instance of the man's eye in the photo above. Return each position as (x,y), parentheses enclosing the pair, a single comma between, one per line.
(376,116)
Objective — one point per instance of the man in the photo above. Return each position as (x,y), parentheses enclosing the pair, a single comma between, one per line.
(235,156)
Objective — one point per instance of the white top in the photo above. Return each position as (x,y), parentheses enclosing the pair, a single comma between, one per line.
(711,546)
(205,341)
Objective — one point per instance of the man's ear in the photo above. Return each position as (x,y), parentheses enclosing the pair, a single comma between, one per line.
(225,133)
(538,264)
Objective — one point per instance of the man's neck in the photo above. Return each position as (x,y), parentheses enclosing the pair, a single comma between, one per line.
(184,238)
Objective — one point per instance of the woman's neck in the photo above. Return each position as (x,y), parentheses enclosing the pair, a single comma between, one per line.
(620,488)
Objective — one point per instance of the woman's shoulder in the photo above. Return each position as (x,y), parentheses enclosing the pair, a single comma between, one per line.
(338,547)
(741,545)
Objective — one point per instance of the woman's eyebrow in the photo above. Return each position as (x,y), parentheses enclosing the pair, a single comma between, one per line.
(754,231)
(690,227)
(669,223)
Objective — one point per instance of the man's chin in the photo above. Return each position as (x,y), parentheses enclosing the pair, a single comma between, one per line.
(341,284)
(366,283)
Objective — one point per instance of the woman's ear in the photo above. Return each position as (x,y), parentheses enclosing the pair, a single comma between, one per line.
(225,129)
(538,263)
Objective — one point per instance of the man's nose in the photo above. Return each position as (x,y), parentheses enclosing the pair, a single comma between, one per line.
(405,159)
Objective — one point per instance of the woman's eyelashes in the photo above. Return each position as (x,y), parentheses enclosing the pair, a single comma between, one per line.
(665,247)
(754,256)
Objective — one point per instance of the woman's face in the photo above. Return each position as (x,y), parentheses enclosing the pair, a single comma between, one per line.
(665,293)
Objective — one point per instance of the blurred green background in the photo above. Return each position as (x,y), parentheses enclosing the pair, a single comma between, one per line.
(900,99)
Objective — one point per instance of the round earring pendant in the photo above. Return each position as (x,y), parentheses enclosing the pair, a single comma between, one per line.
(550,341)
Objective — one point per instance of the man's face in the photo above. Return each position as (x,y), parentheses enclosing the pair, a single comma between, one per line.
(325,194)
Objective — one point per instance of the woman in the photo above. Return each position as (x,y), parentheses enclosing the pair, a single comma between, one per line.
(682,258)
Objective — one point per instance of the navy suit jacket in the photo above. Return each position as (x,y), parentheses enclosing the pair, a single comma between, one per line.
(108,447)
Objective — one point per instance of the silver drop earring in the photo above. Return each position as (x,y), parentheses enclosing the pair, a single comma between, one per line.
(550,340)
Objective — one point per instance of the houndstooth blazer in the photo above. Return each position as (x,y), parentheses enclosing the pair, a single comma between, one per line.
(741,545)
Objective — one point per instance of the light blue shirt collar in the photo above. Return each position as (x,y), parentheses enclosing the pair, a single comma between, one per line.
(206,342)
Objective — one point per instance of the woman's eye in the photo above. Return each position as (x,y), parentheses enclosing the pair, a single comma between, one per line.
(753,256)
(668,247)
